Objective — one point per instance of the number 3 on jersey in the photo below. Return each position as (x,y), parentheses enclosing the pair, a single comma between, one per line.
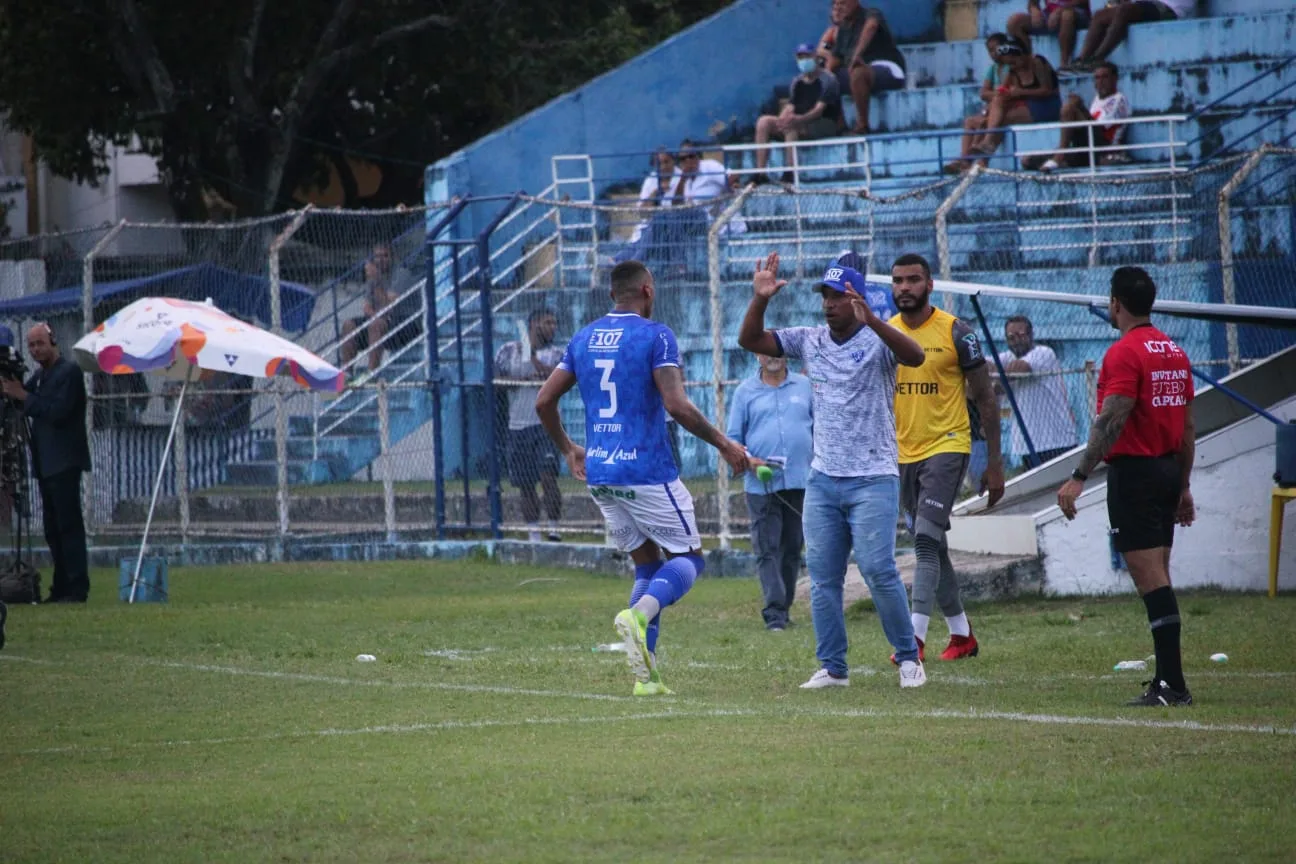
(608,386)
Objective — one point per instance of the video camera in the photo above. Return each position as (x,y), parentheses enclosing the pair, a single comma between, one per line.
(12,367)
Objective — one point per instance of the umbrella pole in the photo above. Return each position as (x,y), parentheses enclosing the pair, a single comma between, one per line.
(157,484)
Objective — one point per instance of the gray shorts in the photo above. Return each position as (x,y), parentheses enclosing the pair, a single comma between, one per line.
(928,489)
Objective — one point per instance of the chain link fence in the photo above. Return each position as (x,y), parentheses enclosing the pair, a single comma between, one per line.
(435,435)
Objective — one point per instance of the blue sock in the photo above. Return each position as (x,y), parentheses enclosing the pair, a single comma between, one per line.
(643,576)
(675,578)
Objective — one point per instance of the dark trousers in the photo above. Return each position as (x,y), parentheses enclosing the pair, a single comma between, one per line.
(777,541)
(65,534)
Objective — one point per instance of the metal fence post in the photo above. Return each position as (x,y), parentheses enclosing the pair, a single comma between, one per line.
(281,408)
(486,275)
(714,277)
(384,444)
(944,260)
(88,324)
(1226,249)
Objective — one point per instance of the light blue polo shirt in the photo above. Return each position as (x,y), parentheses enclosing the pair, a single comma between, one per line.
(775,421)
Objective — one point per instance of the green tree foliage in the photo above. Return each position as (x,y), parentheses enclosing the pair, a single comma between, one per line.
(249,99)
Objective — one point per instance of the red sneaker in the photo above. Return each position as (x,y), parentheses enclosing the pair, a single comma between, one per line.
(922,653)
(960,647)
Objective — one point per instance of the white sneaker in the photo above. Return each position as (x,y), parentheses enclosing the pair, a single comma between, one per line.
(912,674)
(822,679)
(1050,165)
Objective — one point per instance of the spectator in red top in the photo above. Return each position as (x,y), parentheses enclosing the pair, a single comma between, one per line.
(1145,433)
(1063,17)
(1109,104)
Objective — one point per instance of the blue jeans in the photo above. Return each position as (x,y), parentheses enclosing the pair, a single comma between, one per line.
(841,512)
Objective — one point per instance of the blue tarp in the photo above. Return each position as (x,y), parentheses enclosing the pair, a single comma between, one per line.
(237,293)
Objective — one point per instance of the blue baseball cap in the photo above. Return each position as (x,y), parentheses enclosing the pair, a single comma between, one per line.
(842,279)
(805,48)
(853,260)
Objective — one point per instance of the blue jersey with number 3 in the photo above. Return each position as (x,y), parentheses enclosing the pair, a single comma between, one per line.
(626,443)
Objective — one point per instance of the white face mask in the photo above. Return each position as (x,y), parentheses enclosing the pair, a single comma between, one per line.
(806,64)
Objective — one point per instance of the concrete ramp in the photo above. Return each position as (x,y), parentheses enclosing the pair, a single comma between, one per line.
(1232,480)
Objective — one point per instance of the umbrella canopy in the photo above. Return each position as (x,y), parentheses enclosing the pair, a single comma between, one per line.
(172,336)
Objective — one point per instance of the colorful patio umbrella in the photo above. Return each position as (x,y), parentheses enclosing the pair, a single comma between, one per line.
(175,338)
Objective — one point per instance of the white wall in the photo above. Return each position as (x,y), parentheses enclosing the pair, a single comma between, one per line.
(131,190)
(1228,546)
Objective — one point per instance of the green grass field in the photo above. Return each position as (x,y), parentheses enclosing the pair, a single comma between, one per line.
(234,724)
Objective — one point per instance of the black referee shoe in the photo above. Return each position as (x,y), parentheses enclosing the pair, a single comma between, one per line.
(1159,695)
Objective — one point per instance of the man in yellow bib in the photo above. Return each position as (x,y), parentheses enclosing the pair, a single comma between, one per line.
(935,442)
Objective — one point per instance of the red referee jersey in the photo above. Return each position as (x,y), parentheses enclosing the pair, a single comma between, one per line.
(1148,367)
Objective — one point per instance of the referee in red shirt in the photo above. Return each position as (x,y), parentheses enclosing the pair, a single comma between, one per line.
(1144,430)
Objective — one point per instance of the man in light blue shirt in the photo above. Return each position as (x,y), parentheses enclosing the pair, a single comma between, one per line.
(771,416)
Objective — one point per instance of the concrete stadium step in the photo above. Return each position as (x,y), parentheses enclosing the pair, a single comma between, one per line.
(1248,34)
(993,14)
(1153,90)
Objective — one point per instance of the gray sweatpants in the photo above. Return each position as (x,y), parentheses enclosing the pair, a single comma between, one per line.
(777,541)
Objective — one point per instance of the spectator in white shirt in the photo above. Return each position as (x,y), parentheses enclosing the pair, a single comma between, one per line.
(1040,392)
(660,184)
(701,179)
(1109,104)
(1111,24)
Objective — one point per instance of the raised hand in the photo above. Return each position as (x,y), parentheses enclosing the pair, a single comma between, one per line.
(765,283)
(863,312)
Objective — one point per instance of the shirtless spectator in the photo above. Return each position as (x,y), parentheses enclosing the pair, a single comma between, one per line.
(1063,17)
(813,111)
(859,49)
(973,125)
(1111,24)
(369,332)
(1109,104)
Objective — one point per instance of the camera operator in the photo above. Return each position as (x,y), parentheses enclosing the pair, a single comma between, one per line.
(54,401)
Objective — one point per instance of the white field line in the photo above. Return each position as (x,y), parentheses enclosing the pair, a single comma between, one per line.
(820,713)
(361,682)
(390,729)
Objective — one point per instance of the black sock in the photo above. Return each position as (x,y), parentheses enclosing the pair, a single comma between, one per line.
(1163,618)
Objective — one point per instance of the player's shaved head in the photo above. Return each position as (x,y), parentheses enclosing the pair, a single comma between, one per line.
(628,280)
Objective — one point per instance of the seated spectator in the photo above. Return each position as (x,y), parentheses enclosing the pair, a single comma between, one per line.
(1111,24)
(221,402)
(859,50)
(359,334)
(1029,94)
(1041,395)
(1109,104)
(700,179)
(1063,17)
(973,125)
(813,111)
(661,181)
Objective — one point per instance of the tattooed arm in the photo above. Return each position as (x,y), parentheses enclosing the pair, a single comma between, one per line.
(1103,435)
(1105,431)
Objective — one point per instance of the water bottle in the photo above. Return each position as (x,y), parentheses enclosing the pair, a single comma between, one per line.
(609,646)
(1129,665)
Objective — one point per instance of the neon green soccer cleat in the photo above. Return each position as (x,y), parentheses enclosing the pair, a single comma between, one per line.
(652,688)
(632,627)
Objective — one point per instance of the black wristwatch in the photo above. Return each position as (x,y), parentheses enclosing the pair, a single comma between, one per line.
(1077,475)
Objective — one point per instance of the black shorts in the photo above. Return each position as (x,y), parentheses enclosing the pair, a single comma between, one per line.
(529,454)
(1142,497)
(1152,10)
(929,488)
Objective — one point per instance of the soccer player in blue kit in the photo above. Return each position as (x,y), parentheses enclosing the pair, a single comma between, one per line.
(628,369)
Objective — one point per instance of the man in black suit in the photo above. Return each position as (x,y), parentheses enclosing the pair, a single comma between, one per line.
(54,401)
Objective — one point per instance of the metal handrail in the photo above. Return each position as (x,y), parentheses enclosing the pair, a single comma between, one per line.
(1273,70)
